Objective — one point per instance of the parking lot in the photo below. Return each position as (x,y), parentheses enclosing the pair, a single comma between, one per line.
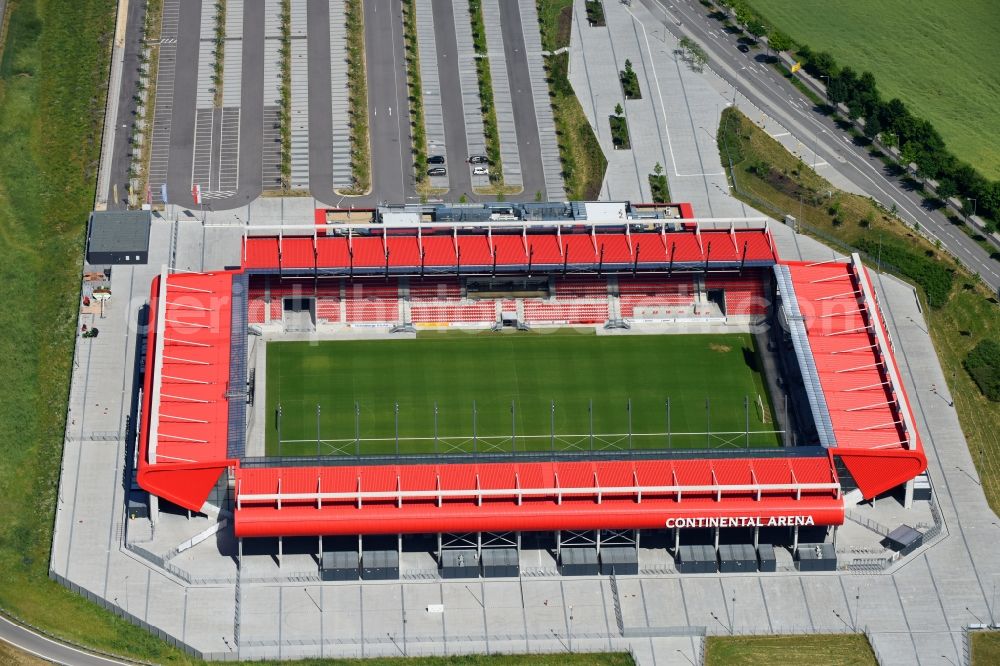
(218,120)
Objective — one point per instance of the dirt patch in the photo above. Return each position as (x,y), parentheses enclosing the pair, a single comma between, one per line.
(722,349)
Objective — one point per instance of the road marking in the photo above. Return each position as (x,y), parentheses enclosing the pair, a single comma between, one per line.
(780,134)
(53,642)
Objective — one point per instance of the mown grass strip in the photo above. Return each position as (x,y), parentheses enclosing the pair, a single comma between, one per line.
(418,135)
(219,65)
(961,312)
(358,93)
(830,650)
(491,133)
(583,161)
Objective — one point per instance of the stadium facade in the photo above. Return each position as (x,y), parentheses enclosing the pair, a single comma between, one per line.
(860,442)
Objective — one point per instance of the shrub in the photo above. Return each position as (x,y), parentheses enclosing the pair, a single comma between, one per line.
(619,132)
(630,82)
(983,365)
(933,276)
(595,12)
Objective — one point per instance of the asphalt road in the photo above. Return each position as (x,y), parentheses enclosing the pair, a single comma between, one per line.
(459,175)
(525,121)
(388,106)
(251,180)
(775,96)
(182,118)
(50,650)
(320,120)
(121,151)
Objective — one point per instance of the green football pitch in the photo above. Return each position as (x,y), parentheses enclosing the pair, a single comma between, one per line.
(488,392)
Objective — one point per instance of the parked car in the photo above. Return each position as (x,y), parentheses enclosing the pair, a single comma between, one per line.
(743,48)
(481,171)
(435,159)
(478,159)
(437,171)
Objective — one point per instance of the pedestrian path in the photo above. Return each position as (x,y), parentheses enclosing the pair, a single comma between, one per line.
(340,101)
(430,86)
(503,102)
(300,97)
(547,138)
(471,104)
(271,153)
(164,105)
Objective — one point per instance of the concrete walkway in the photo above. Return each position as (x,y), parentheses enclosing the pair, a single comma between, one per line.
(676,120)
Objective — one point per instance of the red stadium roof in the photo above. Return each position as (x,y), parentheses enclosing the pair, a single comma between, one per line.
(380,246)
(872,422)
(185,414)
(496,497)
(184,425)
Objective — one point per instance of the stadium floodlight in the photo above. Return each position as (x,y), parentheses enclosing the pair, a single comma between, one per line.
(590,411)
(628,408)
(746,412)
(708,422)
(552,426)
(668,422)
(513,428)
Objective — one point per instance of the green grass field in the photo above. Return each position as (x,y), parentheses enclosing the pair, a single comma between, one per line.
(828,650)
(528,371)
(938,57)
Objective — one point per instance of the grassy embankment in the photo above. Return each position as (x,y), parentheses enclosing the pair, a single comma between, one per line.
(829,650)
(57,59)
(583,162)
(960,311)
(938,60)
(418,136)
(357,77)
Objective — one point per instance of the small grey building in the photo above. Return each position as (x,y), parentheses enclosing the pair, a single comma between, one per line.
(117,237)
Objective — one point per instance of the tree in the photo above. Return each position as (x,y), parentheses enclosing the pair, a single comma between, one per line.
(873,127)
(988,199)
(946,189)
(779,41)
(822,63)
(892,112)
(619,110)
(658,169)
(756,28)
(628,66)
(841,87)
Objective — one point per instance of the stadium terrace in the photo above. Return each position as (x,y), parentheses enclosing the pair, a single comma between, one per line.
(845,430)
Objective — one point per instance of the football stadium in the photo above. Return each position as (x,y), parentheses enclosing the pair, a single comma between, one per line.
(581,373)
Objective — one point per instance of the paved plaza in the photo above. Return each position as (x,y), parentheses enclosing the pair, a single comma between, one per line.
(182,580)
(197,596)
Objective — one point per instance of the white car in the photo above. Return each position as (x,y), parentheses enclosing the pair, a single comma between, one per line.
(481,171)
